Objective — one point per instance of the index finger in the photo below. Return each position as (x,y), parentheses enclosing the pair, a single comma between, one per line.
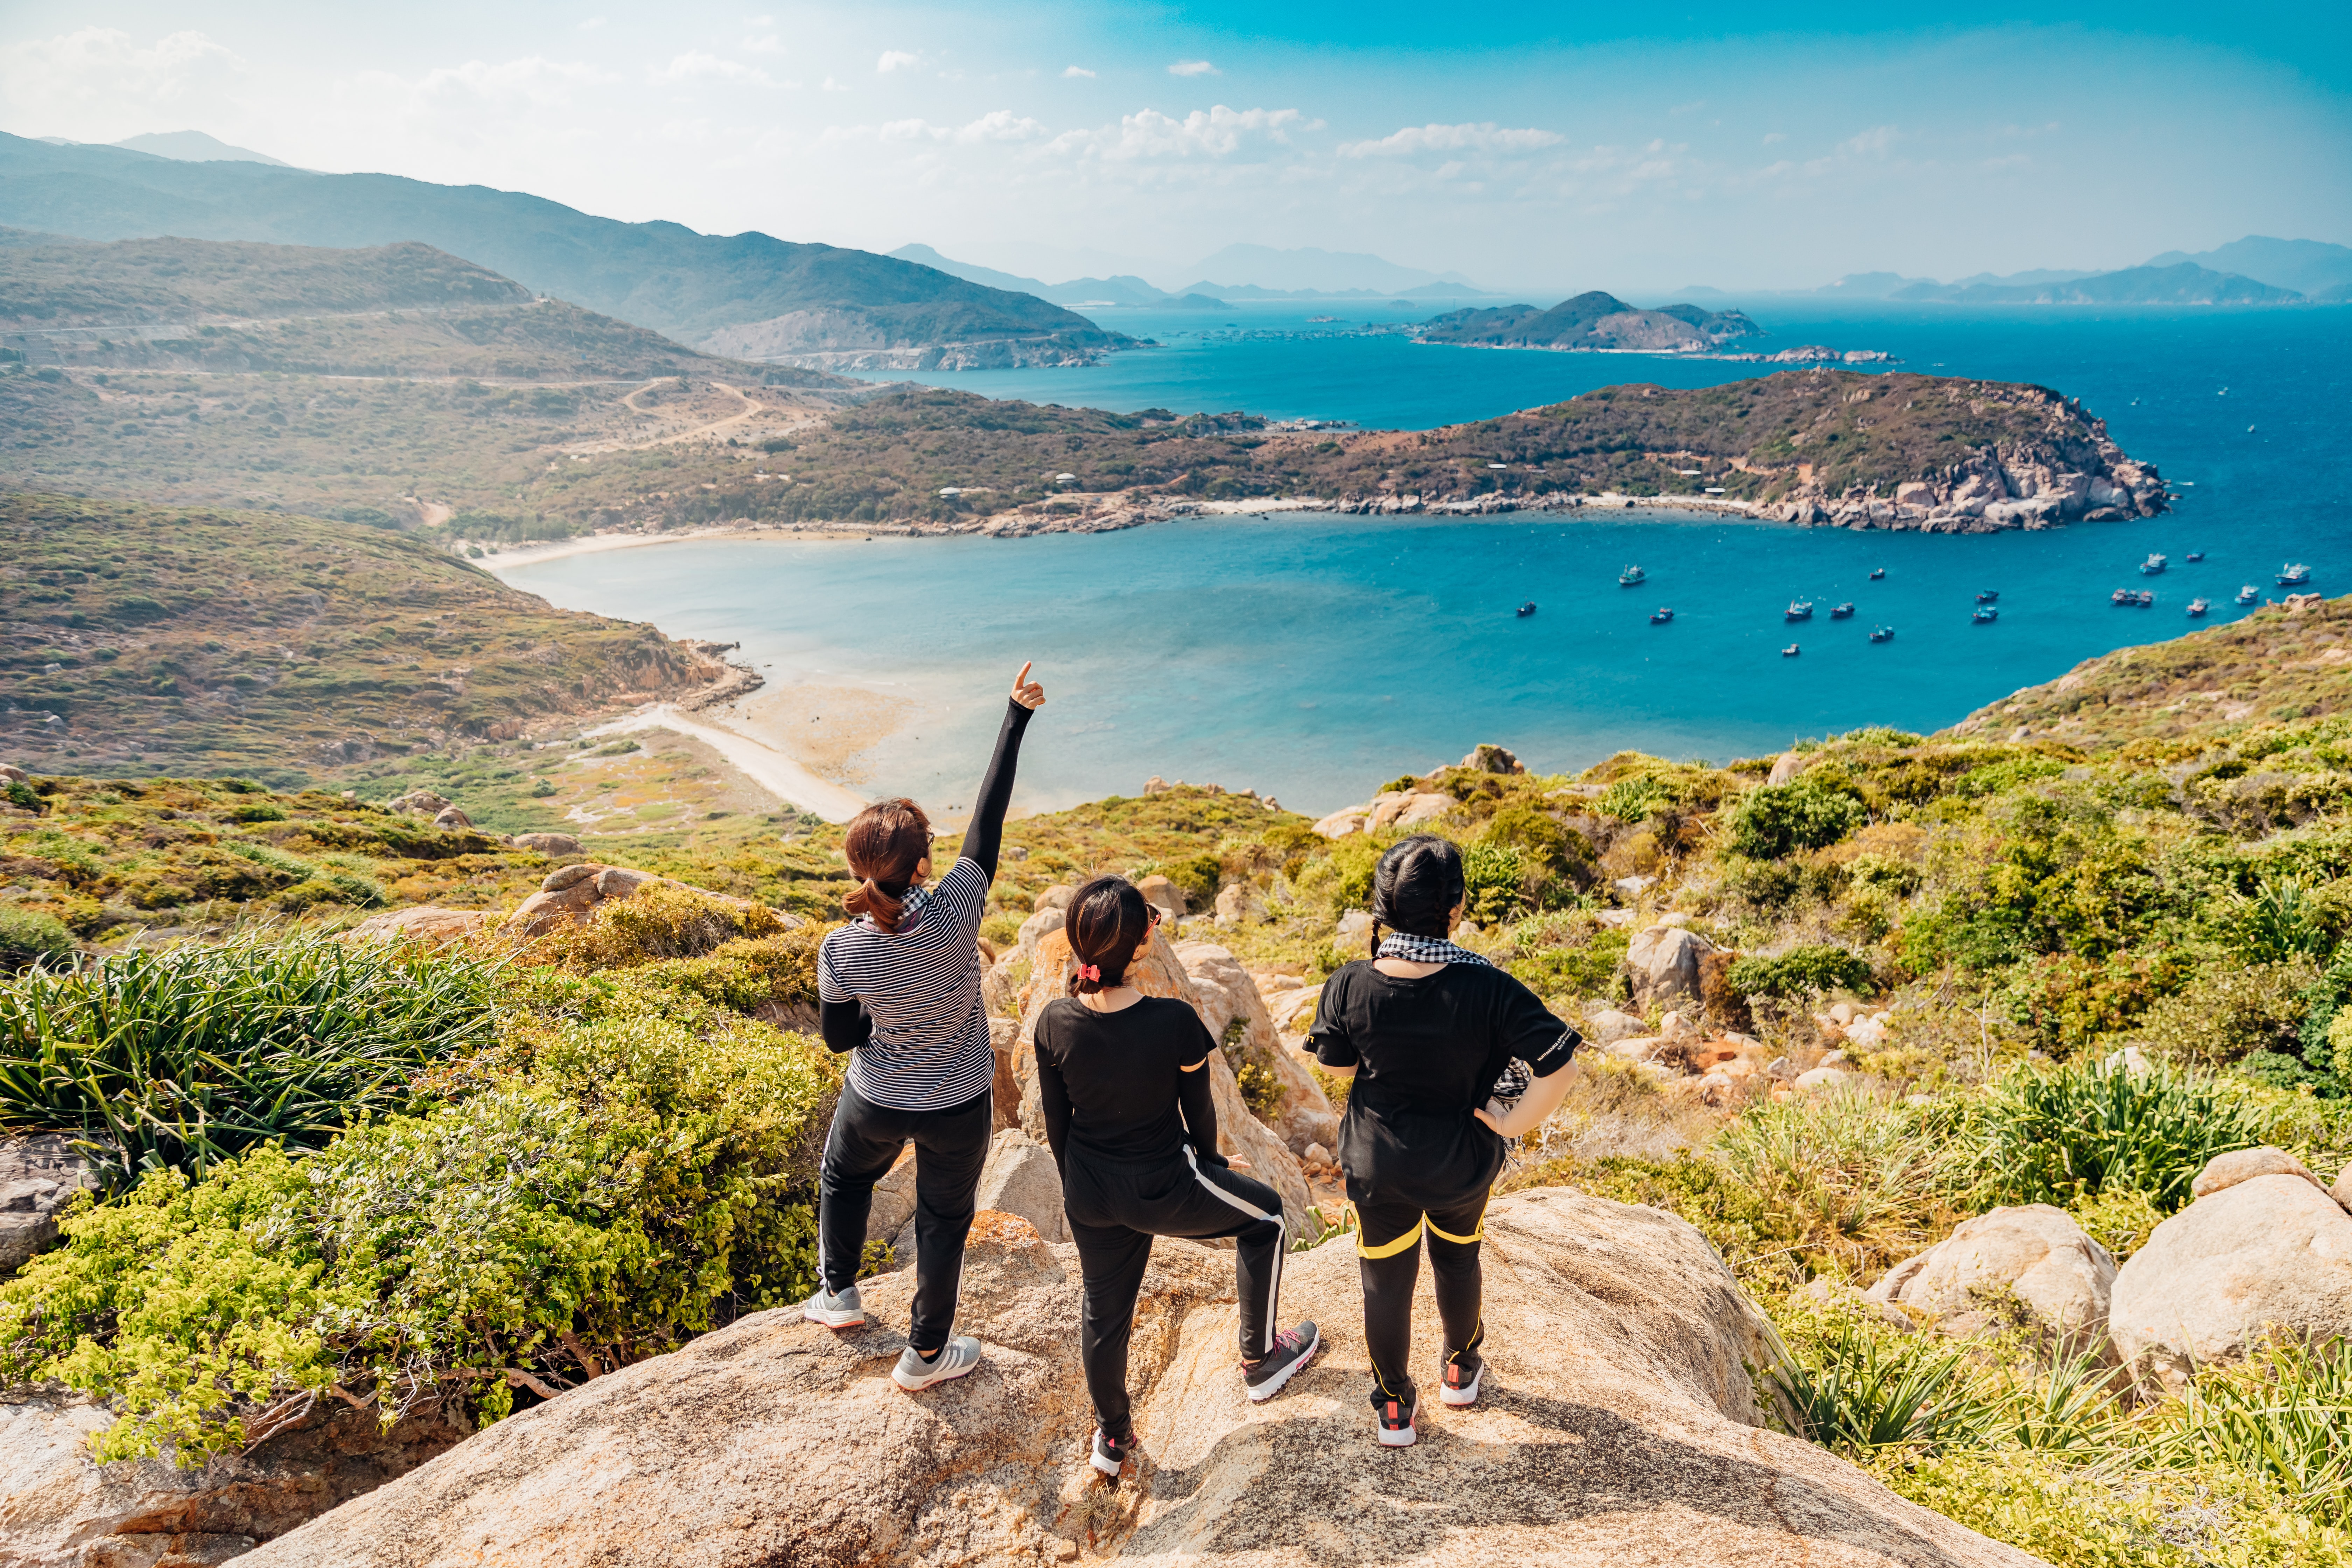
(1023,678)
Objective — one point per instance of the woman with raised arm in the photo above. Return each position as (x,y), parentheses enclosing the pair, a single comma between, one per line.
(1434,1038)
(899,988)
(1122,1080)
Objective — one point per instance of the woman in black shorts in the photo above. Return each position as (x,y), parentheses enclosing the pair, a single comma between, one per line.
(1431,1033)
(1122,1078)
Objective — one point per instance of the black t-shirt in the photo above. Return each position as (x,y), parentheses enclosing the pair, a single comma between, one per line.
(1112,1084)
(1426,1054)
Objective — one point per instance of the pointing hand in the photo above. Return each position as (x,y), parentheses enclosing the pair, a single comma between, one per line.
(1025,691)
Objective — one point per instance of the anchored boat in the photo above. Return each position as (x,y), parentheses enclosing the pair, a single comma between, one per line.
(1881,634)
(2144,599)
(1526,609)
(1630,575)
(2199,607)
(1985,612)
(1842,611)
(2293,577)
(1659,618)
(2151,567)
(1987,595)
(2194,555)
(2248,594)
(1789,652)
(1800,610)
(1877,574)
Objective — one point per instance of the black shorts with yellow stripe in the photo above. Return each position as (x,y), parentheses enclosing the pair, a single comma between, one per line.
(1390,1229)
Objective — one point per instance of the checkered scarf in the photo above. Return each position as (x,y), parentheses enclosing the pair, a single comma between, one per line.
(1414,949)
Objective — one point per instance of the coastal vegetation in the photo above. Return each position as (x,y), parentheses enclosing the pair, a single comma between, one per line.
(139,639)
(2097,970)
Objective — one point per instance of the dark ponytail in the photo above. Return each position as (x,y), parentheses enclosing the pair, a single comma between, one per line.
(884,845)
(1415,887)
(1108,920)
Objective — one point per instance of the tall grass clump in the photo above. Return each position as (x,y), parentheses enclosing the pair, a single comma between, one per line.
(181,1059)
(1857,1180)
(2063,1134)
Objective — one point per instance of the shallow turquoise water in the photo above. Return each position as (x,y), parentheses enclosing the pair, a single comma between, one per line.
(1316,656)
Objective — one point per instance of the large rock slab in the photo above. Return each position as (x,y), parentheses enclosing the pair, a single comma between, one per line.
(61,1509)
(1020,1178)
(1225,993)
(1662,965)
(2223,1171)
(1618,1430)
(39,1174)
(2269,1255)
(2035,1252)
(428,923)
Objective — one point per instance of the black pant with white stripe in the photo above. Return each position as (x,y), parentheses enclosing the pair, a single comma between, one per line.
(950,1147)
(1114,1213)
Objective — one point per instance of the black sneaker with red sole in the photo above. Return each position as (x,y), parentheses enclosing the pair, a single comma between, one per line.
(1463,1373)
(1395,1420)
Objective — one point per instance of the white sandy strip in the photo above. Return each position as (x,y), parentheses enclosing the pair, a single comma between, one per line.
(758,762)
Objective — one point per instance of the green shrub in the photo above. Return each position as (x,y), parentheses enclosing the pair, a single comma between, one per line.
(1777,819)
(1632,800)
(1854,1392)
(29,937)
(635,1187)
(2230,1011)
(1855,1182)
(659,920)
(1493,882)
(1199,877)
(1801,971)
(186,1056)
(2063,1135)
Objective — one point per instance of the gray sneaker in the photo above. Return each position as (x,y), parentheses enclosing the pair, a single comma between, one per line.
(842,1311)
(914,1374)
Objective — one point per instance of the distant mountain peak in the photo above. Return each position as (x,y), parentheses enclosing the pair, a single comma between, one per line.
(195,147)
(1312,269)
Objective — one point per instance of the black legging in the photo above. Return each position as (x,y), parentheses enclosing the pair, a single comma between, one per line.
(1388,1252)
(950,1147)
(1115,1214)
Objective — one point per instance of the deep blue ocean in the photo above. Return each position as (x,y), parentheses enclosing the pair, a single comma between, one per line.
(1314,658)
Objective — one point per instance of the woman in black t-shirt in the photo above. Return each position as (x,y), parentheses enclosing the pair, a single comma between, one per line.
(1122,1079)
(1428,1031)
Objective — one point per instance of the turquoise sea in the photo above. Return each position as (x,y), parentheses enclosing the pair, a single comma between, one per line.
(1315,657)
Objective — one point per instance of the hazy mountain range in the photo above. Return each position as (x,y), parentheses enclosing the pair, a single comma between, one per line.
(2255,271)
(1236,272)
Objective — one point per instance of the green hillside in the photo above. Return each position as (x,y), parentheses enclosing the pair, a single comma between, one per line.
(143,639)
(662,275)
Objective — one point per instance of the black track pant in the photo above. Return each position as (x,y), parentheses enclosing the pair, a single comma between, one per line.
(1388,1253)
(1114,1214)
(950,1146)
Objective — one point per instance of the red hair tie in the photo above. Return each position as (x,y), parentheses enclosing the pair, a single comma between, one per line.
(1091,971)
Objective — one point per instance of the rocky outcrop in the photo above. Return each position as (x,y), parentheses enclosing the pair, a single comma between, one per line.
(1161,972)
(2034,1255)
(1021,1179)
(570,894)
(1226,994)
(59,1510)
(2271,1254)
(1620,1429)
(420,922)
(548,843)
(1662,965)
(39,1174)
(2223,1171)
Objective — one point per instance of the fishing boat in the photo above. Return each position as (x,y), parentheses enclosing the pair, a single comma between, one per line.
(1526,609)
(1630,575)
(1800,610)
(2248,594)
(1984,613)
(2293,577)
(1842,611)
(1881,634)
(2144,599)
(1877,574)
(1987,595)
(1659,618)
(2194,555)
(1789,652)
(2151,567)
(2123,597)
(2199,607)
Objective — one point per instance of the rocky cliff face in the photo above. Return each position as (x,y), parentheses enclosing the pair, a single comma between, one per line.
(1620,1426)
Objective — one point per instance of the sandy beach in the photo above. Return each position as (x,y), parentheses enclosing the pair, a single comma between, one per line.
(764,763)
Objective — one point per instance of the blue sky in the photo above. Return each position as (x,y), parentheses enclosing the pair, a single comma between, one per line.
(1535,148)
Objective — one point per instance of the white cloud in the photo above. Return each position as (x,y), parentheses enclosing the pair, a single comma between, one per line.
(696,66)
(998,125)
(1001,125)
(1484,137)
(89,82)
(533,82)
(1874,141)
(1078,70)
(1217,132)
(1772,136)
(591,24)
(832,86)
(765,44)
(1193,68)
(895,59)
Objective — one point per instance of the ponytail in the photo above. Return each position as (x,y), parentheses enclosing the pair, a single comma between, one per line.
(1108,921)
(884,845)
(1415,887)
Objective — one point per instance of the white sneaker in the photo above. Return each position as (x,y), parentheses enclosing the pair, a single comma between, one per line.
(914,1374)
(842,1311)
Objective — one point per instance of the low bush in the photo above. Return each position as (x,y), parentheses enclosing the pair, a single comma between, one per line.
(184,1057)
(29,937)
(2063,1134)
(1777,819)
(635,1185)
(659,920)
(1856,1183)
(1801,971)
